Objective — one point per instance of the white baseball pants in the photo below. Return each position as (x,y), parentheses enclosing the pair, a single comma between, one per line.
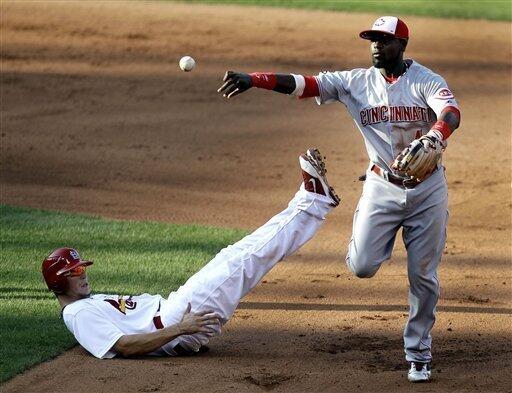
(235,270)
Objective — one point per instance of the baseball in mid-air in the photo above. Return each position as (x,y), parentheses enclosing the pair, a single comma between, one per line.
(187,63)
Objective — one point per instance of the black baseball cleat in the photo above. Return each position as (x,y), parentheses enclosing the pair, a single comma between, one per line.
(419,372)
(313,174)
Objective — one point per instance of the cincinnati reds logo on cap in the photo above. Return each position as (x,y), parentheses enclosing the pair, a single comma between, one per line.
(379,22)
(390,25)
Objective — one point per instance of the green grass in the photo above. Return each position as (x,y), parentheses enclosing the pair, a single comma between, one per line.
(130,258)
(461,9)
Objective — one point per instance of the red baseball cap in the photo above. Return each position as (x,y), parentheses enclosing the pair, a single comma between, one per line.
(388,25)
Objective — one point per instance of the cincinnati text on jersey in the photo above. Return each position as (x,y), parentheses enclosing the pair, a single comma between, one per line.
(396,114)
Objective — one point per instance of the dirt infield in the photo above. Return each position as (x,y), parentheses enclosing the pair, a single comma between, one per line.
(97,118)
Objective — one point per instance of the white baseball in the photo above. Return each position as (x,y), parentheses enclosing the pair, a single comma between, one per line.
(187,63)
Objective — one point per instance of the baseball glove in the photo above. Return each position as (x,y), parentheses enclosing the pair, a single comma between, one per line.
(420,158)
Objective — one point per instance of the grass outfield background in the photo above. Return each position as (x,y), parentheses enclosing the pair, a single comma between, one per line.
(130,258)
(462,9)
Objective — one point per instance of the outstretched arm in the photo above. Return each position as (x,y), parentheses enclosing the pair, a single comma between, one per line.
(235,83)
(141,344)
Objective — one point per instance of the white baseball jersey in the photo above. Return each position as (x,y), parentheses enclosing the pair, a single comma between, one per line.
(98,321)
(389,115)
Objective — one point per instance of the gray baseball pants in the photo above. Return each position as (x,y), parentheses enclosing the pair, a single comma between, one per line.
(422,214)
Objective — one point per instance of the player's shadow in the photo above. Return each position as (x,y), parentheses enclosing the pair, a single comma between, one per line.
(378,351)
(365,307)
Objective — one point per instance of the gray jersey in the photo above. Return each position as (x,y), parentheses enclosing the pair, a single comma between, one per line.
(389,115)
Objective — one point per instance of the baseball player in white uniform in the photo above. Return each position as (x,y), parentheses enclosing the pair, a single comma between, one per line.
(182,323)
(405,112)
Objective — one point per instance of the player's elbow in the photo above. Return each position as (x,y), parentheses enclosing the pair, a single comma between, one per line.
(455,123)
(451,115)
(123,347)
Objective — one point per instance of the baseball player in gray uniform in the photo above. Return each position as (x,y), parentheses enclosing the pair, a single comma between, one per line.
(183,323)
(405,112)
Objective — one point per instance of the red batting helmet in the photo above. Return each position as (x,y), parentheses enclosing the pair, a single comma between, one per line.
(57,266)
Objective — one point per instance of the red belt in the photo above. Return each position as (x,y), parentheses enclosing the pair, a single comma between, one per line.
(157,320)
(399,181)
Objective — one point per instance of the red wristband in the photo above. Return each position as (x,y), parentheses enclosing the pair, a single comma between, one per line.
(311,87)
(443,127)
(263,80)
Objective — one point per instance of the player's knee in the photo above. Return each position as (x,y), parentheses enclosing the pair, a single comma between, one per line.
(363,272)
(361,267)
